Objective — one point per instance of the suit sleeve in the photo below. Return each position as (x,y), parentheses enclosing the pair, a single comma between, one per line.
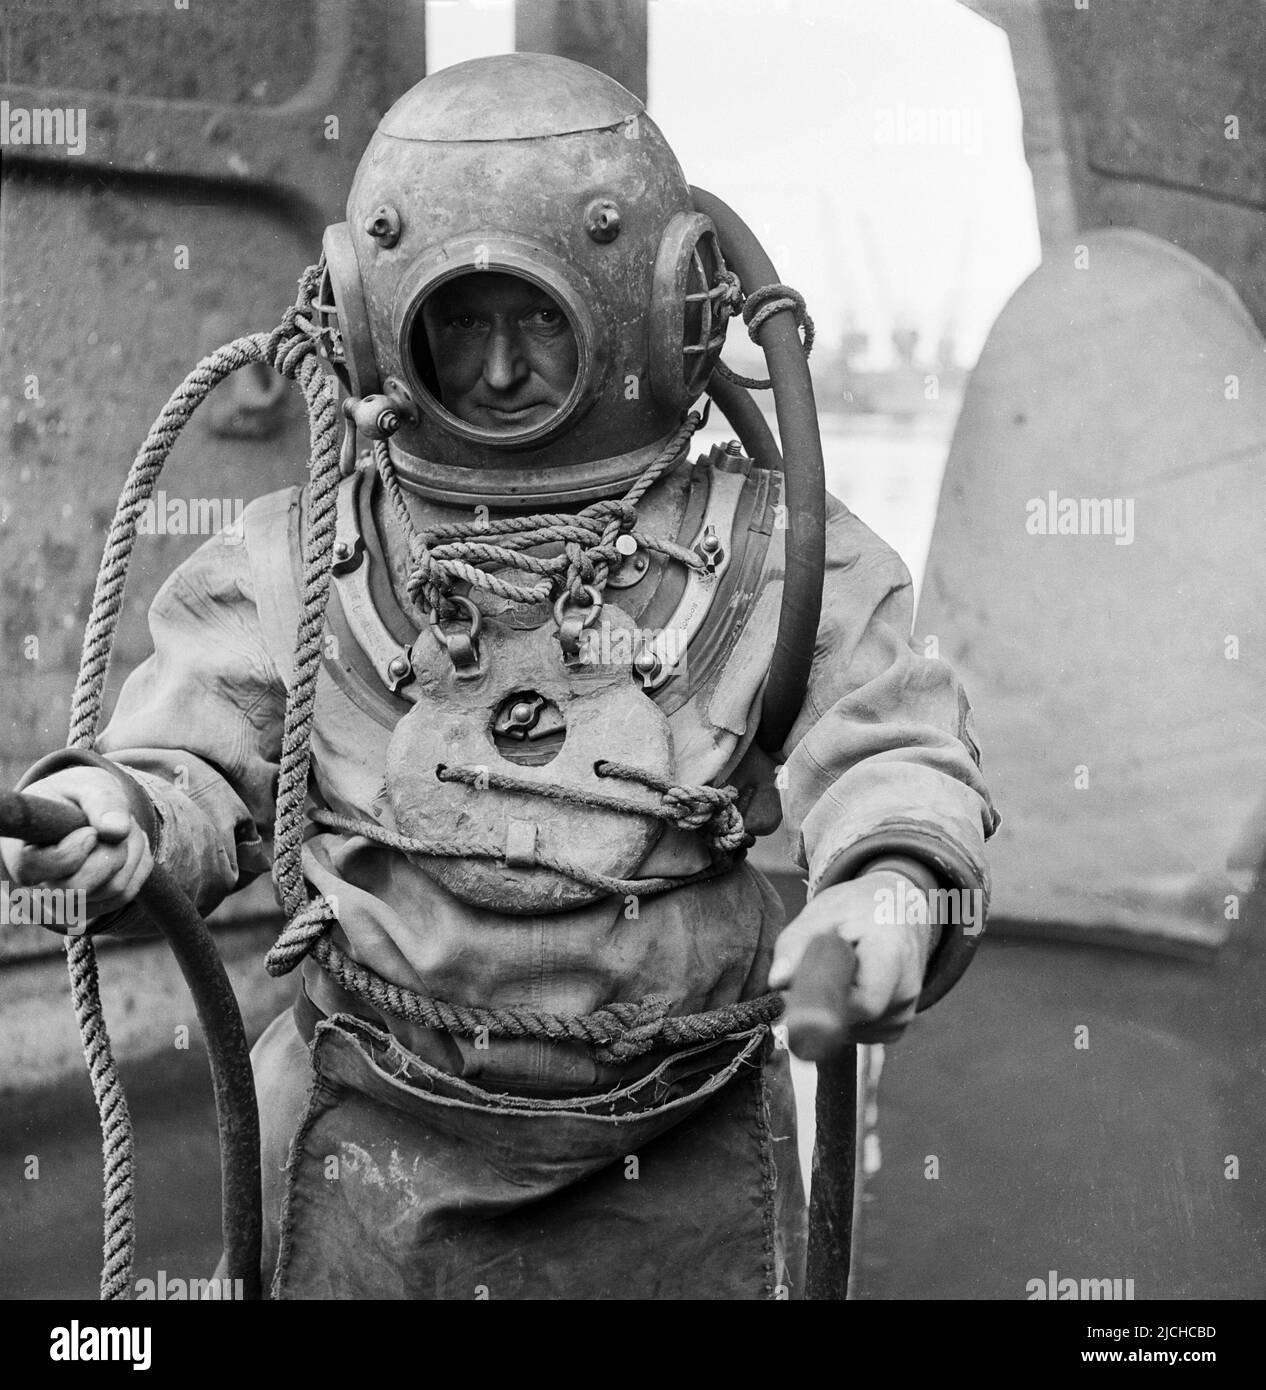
(196,732)
(882,758)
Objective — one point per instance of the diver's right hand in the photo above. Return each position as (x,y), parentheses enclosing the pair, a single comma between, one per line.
(109,859)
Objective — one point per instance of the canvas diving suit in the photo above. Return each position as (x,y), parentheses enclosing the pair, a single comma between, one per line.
(880,758)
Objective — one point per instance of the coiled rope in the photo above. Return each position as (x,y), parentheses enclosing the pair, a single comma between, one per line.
(289,349)
(756,308)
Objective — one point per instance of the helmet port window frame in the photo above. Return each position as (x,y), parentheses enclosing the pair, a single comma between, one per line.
(690,312)
(440,266)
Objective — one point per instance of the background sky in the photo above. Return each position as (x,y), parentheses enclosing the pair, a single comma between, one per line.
(873,145)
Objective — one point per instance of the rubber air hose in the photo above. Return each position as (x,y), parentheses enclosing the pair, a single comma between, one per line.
(747,420)
(805,475)
(42,821)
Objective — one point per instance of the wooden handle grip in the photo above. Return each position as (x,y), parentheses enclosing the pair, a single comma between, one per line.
(817,1003)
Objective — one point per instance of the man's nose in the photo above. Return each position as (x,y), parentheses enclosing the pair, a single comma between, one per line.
(504,363)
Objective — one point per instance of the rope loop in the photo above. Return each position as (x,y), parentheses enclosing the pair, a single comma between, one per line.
(291,349)
(758,308)
(762,304)
(618,1033)
(300,934)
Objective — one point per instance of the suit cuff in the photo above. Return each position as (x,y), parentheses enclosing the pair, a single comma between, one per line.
(139,803)
(959,898)
(129,920)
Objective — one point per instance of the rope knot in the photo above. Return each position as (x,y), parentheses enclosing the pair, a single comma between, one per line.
(691,808)
(638,1028)
(731,291)
(727,833)
(295,338)
(710,810)
(300,934)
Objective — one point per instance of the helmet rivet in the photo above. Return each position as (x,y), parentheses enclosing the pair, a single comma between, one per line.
(383,224)
(341,550)
(521,713)
(602,220)
(626,545)
(399,666)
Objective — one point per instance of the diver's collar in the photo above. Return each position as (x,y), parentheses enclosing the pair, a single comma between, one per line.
(506,488)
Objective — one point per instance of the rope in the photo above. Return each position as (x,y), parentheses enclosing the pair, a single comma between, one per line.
(710,809)
(616,1033)
(442,556)
(118,1241)
(758,308)
(318,546)
(289,349)
(687,807)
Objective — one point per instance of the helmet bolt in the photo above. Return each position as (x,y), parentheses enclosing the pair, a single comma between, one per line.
(626,545)
(398,666)
(341,550)
(383,224)
(376,417)
(521,713)
(602,220)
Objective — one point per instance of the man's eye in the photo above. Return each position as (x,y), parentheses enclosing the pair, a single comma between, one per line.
(464,323)
(547,317)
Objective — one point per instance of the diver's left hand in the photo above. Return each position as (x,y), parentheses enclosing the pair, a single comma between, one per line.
(891,956)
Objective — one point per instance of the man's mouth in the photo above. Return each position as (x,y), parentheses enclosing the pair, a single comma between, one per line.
(517,415)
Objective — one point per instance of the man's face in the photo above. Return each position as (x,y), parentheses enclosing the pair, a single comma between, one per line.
(504,352)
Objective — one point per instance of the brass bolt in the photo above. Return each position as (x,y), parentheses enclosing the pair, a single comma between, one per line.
(602,220)
(383,224)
